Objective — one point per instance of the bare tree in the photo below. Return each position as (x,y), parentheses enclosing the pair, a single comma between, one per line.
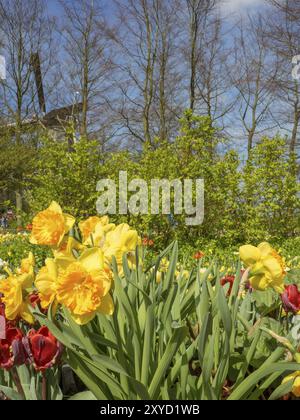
(26,32)
(87,65)
(254,78)
(213,86)
(148,68)
(284,40)
(199,12)
(289,7)
(168,98)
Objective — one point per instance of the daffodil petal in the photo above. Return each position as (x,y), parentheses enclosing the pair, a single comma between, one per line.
(51,267)
(296,387)
(107,305)
(249,254)
(265,249)
(92,259)
(26,314)
(69,221)
(83,319)
(55,207)
(273,266)
(259,282)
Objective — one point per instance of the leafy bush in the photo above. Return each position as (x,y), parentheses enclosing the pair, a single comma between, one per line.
(243,203)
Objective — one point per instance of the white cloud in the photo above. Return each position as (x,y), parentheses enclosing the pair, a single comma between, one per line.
(241,6)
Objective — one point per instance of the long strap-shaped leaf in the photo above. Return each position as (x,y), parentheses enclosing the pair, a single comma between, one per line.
(258,375)
(174,344)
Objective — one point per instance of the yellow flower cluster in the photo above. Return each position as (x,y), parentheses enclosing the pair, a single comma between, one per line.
(8,237)
(13,289)
(163,269)
(79,275)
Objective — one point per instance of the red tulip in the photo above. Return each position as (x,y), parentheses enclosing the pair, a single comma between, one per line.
(34,300)
(12,352)
(29,227)
(43,349)
(228,280)
(291,299)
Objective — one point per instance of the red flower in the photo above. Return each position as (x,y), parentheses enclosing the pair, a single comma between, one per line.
(12,352)
(2,321)
(29,227)
(35,302)
(228,280)
(148,242)
(34,299)
(42,348)
(198,255)
(291,299)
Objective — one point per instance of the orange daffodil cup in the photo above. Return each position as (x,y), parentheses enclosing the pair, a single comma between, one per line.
(78,276)
(81,285)
(94,229)
(267,268)
(50,226)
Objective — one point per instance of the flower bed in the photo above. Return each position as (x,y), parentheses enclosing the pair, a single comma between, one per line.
(132,324)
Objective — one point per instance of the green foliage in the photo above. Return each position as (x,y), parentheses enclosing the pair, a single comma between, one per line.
(243,203)
(16,160)
(13,248)
(30,388)
(181,339)
(271,192)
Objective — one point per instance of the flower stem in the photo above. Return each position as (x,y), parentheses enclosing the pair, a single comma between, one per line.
(44,386)
(16,379)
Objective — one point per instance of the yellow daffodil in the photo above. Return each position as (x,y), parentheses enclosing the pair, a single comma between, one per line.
(267,268)
(120,241)
(94,229)
(185,274)
(50,226)
(15,305)
(295,377)
(164,265)
(67,247)
(46,283)
(163,268)
(83,286)
(27,264)
(26,271)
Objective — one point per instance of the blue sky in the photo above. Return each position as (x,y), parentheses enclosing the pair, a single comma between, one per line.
(55,8)
(229,6)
